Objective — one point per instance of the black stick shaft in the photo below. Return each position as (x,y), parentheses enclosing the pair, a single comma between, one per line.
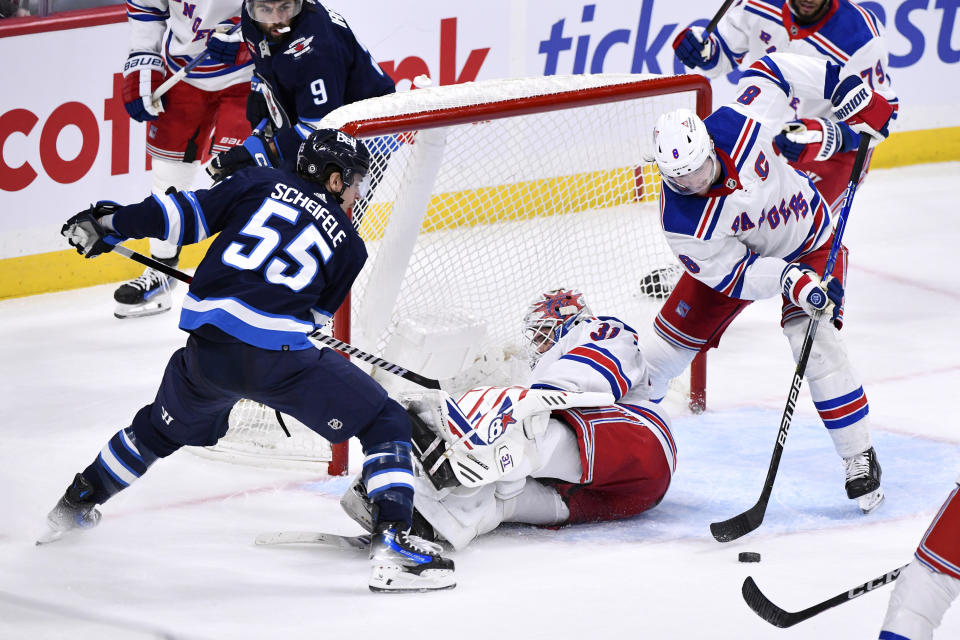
(153,264)
(763,607)
(716,19)
(750,519)
(339,345)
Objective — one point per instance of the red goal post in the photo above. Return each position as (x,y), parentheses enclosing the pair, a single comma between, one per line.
(408,115)
(483,195)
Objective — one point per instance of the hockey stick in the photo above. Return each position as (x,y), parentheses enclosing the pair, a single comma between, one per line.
(778,617)
(750,519)
(716,19)
(153,264)
(271,538)
(330,341)
(181,74)
(395,369)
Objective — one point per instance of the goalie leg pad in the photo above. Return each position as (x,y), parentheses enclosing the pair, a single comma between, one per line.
(836,390)
(462,515)
(388,479)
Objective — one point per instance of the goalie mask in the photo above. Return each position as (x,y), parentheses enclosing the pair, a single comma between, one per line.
(328,151)
(549,318)
(683,150)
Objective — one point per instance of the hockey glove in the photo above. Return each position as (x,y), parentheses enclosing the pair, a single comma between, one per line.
(865,111)
(225,47)
(256,150)
(256,104)
(692,51)
(143,73)
(815,139)
(802,286)
(91,237)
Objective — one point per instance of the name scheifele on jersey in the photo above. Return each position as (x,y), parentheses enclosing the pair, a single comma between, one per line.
(283,262)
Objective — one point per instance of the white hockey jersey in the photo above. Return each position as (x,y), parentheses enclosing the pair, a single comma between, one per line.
(739,237)
(178,30)
(848,35)
(599,354)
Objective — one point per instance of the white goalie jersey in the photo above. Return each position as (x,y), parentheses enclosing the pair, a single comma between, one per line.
(178,32)
(597,355)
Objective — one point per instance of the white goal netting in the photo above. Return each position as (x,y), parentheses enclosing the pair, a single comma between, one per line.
(485,195)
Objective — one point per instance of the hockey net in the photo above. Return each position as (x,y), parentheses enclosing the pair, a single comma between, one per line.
(483,195)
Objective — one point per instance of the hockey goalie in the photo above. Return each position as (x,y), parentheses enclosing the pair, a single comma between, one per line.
(581,443)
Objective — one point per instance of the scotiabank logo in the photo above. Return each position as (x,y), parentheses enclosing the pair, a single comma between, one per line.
(68,114)
(80,115)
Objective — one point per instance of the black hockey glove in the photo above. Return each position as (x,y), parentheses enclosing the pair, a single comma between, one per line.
(256,108)
(85,232)
(255,150)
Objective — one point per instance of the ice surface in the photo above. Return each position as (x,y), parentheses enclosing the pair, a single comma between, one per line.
(174,555)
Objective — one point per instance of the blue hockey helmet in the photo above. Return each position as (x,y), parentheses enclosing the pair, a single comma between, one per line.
(326,151)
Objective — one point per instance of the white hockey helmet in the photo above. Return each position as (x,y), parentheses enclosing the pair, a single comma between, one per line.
(549,317)
(684,153)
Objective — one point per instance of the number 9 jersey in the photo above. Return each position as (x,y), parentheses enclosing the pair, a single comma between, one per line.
(317,67)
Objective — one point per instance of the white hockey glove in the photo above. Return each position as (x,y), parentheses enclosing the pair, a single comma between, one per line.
(802,286)
(855,103)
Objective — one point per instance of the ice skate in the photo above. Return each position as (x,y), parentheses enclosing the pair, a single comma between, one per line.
(401,561)
(863,480)
(72,511)
(357,505)
(146,295)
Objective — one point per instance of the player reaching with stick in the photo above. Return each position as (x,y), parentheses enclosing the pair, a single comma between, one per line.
(746,226)
(284,260)
(198,117)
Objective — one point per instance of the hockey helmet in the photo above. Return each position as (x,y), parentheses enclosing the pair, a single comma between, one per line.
(273,12)
(550,317)
(326,151)
(684,153)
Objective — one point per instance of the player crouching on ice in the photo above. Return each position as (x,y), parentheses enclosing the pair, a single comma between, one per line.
(747,226)
(582,444)
(284,261)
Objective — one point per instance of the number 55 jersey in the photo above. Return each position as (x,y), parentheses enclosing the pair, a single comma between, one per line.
(285,258)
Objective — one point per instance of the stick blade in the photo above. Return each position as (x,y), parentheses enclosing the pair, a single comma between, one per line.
(312,537)
(737,526)
(762,606)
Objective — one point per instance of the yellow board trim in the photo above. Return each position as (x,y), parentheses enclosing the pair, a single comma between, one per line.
(62,270)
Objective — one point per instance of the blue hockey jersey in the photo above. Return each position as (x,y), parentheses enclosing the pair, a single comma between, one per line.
(284,261)
(318,67)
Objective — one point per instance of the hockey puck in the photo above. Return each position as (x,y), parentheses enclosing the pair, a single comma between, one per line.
(748,556)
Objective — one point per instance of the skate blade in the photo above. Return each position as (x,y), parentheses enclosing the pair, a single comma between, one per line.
(871,501)
(51,535)
(393,579)
(151,308)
